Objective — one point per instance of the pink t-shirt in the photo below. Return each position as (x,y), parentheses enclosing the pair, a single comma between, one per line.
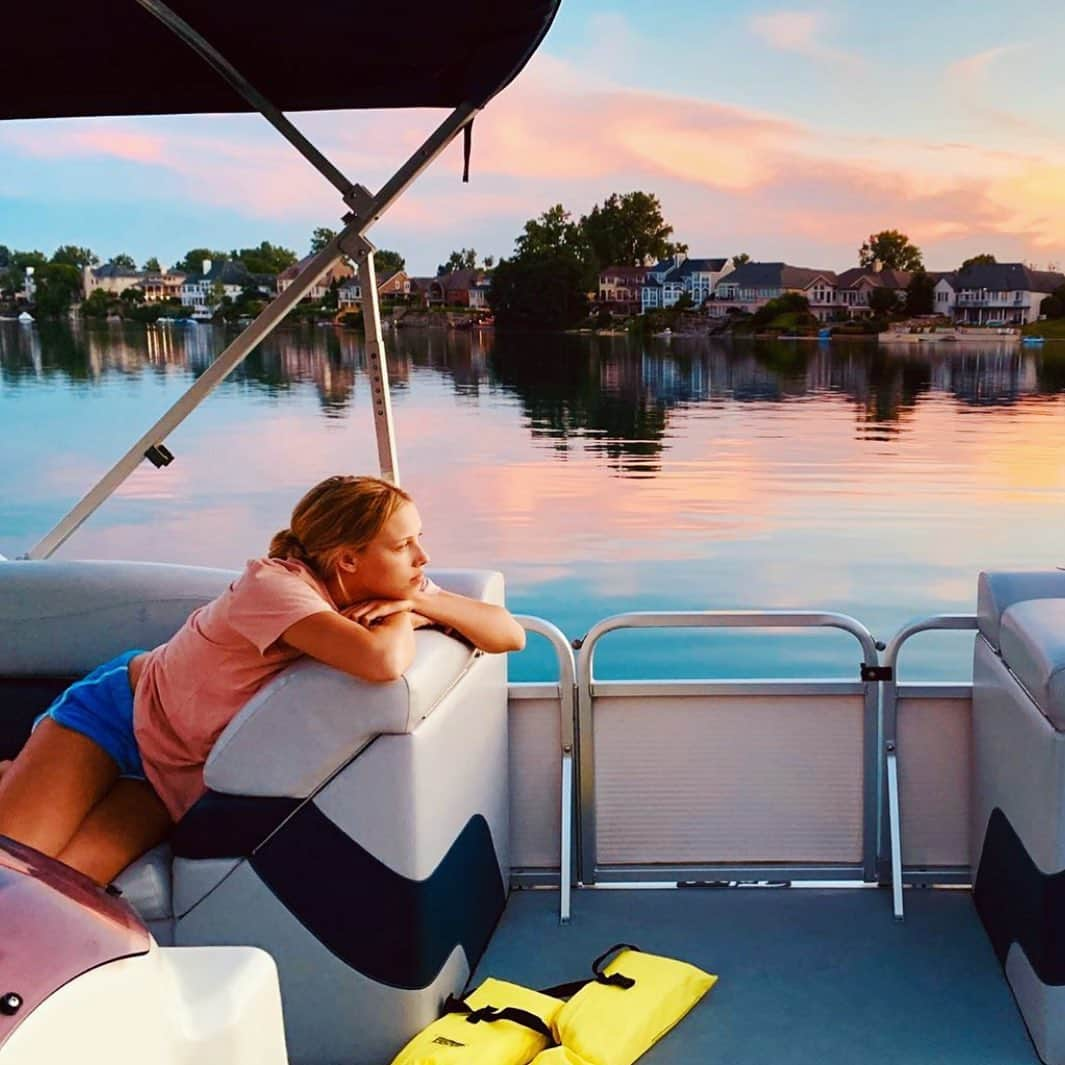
(194,684)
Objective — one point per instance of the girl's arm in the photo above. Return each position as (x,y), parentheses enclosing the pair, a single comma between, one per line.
(381,651)
(487,626)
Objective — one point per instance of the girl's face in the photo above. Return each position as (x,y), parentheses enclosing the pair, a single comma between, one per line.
(391,565)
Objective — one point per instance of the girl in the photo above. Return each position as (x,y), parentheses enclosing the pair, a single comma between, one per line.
(118,758)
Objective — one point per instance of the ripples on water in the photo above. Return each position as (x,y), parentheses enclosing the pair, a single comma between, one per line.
(599,474)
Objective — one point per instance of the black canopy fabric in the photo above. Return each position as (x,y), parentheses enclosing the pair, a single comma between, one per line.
(66,58)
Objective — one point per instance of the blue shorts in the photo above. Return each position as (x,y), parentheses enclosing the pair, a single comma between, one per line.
(100,706)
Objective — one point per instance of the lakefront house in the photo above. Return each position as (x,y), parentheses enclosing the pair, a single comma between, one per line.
(995,293)
(225,276)
(671,278)
(752,285)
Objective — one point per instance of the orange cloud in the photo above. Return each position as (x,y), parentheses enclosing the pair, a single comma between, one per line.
(802,32)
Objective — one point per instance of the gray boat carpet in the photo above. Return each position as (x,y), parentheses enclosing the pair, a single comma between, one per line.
(809,976)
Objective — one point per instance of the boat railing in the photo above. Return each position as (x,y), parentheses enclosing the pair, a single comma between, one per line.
(932,723)
(701,782)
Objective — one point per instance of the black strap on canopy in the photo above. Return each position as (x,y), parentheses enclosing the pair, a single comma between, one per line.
(72,59)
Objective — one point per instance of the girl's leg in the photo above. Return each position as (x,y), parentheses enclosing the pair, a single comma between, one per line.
(46,793)
(129,820)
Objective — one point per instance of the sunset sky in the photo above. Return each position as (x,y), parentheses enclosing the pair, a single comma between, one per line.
(786,132)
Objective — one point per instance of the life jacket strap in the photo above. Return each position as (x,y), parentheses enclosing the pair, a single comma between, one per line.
(492,1014)
(600,977)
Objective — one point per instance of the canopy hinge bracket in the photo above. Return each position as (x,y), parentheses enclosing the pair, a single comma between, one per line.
(159,455)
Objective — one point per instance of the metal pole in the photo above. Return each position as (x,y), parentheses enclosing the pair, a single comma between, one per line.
(378,367)
(367,210)
(222,366)
(244,87)
(567,687)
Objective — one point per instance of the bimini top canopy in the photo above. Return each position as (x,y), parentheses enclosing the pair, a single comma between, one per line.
(72,58)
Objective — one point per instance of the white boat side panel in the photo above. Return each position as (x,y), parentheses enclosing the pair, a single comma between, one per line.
(186,1006)
(332,1012)
(535,782)
(935,777)
(145,884)
(406,799)
(195,877)
(729,779)
(1043,1007)
(1018,764)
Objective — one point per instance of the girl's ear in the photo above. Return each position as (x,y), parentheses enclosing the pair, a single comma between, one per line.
(347,561)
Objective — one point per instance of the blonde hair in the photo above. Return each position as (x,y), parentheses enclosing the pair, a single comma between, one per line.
(338,512)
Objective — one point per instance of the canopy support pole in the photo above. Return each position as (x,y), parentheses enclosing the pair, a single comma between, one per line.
(366,209)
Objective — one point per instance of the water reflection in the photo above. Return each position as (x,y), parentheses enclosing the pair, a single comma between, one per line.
(610,395)
(599,473)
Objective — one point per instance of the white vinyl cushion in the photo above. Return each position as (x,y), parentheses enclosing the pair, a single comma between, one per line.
(1032,642)
(997,592)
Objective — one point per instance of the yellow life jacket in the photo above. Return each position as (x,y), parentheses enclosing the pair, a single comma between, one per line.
(630,1004)
(498,1024)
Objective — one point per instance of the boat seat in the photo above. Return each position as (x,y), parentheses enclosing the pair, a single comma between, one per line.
(997,592)
(1032,644)
(145,884)
(1018,796)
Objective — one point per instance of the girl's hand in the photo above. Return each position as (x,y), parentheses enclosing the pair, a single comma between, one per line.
(371,611)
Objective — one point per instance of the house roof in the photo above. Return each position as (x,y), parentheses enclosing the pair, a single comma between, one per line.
(701,266)
(886,278)
(776,275)
(338,272)
(110,270)
(1006,277)
(461,278)
(223,271)
(629,273)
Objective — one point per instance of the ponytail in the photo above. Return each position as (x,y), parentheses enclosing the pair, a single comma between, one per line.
(286,544)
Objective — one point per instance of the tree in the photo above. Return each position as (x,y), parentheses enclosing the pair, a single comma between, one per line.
(883,301)
(786,303)
(628,230)
(545,284)
(684,302)
(5,256)
(386,263)
(57,284)
(920,293)
(983,259)
(131,295)
(151,265)
(739,260)
(192,263)
(466,259)
(267,258)
(892,250)
(97,304)
(1054,304)
(123,260)
(72,255)
(320,238)
(489,261)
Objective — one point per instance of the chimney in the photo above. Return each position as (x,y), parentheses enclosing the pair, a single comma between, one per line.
(206,267)
(877,266)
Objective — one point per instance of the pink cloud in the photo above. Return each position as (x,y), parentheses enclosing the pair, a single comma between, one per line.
(801,32)
(728,177)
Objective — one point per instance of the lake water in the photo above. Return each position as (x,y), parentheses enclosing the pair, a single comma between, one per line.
(599,474)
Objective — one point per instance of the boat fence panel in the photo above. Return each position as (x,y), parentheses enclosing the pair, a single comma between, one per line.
(535,782)
(730,779)
(935,769)
(542,766)
(926,787)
